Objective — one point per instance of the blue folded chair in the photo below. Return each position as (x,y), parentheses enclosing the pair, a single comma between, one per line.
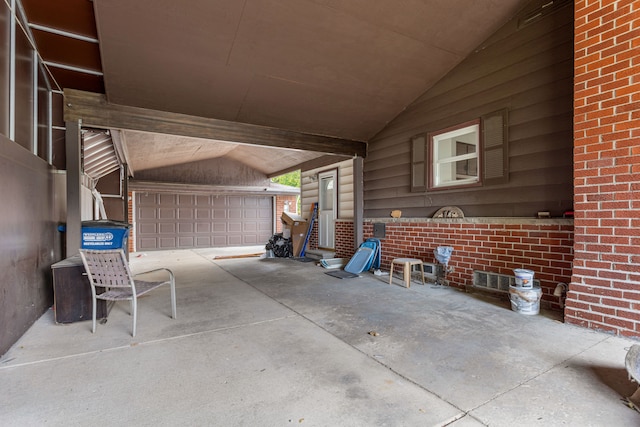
(366,257)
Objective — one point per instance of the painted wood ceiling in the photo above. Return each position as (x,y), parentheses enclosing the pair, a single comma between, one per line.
(339,68)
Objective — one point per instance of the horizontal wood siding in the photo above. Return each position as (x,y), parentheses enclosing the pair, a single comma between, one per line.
(309,188)
(528,71)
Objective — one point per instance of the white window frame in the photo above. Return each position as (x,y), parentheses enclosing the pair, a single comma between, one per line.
(443,165)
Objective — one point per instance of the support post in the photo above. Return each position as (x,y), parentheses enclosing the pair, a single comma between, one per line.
(73,144)
(125,191)
(358,201)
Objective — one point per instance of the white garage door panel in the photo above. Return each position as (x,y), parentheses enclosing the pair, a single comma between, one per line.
(167,243)
(167,228)
(203,242)
(165,213)
(186,213)
(203,228)
(186,242)
(182,221)
(203,214)
(147,213)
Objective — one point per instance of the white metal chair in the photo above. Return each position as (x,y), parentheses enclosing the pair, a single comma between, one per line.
(112,280)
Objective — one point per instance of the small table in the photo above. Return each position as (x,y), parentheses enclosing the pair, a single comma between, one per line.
(408,263)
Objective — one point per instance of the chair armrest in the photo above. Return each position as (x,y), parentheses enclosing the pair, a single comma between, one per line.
(171,275)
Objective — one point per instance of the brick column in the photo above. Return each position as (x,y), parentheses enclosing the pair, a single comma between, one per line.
(605,285)
(280,202)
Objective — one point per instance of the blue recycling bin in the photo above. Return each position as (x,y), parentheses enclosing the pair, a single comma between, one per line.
(104,234)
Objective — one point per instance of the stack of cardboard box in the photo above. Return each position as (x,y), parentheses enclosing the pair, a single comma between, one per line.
(295,226)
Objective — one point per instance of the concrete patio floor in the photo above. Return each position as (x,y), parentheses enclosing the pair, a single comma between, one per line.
(276,342)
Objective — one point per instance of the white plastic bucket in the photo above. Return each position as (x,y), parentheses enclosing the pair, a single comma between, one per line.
(525,300)
(524,278)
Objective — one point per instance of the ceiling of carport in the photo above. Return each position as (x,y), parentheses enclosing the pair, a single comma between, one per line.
(324,67)
(170,150)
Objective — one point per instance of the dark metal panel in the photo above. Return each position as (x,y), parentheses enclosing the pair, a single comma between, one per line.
(30,242)
(82,81)
(5,17)
(74,16)
(57,112)
(59,158)
(24,91)
(44,124)
(68,51)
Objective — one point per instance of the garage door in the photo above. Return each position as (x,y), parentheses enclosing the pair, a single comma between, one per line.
(183,221)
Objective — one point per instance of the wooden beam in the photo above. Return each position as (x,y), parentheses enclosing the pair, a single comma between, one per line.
(170,187)
(94,110)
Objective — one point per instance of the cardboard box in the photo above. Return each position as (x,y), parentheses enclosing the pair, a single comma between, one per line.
(289,218)
(298,227)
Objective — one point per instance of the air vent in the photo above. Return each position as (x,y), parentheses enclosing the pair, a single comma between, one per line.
(495,281)
(99,157)
(431,270)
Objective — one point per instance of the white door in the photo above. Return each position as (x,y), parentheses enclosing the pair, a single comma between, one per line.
(327,208)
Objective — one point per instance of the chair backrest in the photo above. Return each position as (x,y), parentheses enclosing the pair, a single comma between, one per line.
(107,268)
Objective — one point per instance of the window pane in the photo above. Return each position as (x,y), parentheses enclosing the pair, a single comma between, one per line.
(455,156)
(464,148)
(467,169)
(326,193)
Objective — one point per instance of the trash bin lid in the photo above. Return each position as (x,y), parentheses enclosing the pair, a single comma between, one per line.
(105,223)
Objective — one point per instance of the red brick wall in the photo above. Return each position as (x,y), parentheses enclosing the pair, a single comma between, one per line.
(280,202)
(313,239)
(344,239)
(500,247)
(605,286)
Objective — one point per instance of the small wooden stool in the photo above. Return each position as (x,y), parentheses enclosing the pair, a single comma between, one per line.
(408,263)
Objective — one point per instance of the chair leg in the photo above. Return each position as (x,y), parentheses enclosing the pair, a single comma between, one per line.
(172,284)
(391,273)
(93,316)
(407,274)
(134,310)
(422,272)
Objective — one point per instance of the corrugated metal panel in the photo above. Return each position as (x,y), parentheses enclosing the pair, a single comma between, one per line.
(99,156)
